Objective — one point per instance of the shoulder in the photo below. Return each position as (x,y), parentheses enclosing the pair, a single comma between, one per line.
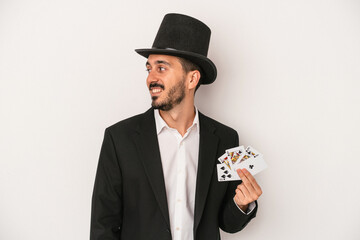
(220,128)
(131,124)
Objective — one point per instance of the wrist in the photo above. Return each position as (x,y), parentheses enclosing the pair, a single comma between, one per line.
(244,208)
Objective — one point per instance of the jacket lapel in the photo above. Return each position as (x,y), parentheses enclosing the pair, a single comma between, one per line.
(207,154)
(148,147)
(149,153)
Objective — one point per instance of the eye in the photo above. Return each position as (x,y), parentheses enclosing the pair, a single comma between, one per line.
(148,70)
(161,69)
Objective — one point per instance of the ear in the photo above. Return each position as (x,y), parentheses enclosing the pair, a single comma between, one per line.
(194,77)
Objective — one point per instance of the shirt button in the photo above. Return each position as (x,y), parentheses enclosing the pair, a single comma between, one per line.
(177,229)
(179,200)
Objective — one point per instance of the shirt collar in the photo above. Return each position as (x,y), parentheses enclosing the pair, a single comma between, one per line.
(160,123)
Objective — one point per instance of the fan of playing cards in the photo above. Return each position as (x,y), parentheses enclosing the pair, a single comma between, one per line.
(239,157)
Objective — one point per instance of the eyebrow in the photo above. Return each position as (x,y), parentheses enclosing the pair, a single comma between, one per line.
(159,62)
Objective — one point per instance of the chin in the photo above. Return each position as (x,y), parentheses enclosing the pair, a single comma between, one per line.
(161,106)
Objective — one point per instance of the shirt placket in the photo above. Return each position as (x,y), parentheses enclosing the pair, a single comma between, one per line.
(180,189)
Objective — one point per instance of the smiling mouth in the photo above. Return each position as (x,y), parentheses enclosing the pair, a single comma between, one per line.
(156,90)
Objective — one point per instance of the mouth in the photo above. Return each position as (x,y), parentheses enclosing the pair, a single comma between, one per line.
(156,89)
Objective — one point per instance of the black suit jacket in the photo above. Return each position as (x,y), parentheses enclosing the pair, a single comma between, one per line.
(129,198)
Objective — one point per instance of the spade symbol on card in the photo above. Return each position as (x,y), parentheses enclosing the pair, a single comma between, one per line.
(222,168)
(251,166)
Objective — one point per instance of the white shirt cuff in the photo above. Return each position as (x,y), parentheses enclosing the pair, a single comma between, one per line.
(251,207)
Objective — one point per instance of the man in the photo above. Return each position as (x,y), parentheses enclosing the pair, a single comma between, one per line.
(156,177)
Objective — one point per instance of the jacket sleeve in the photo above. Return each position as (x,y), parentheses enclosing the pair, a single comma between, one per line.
(106,211)
(231,218)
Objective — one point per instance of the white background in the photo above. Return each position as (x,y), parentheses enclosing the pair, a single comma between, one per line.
(288,82)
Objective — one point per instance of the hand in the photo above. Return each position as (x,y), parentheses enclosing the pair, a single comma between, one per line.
(248,191)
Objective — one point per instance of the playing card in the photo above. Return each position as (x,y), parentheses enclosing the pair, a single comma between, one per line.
(244,157)
(252,151)
(225,174)
(235,154)
(225,158)
(253,165)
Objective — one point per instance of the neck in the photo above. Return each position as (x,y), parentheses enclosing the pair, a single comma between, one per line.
(180,117)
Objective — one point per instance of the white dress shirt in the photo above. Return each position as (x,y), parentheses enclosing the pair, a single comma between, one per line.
(179,158)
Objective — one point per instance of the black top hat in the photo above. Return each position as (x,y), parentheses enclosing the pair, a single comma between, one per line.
(183,36)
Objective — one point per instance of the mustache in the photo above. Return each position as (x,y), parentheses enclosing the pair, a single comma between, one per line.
(152,85)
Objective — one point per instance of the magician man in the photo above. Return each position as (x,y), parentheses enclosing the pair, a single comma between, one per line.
(156,177)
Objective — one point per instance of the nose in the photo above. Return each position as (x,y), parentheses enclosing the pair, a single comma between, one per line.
(151,78)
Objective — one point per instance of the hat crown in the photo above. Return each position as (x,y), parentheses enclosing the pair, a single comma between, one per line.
(183,33)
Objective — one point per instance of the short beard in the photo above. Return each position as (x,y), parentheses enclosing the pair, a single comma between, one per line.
(175,96)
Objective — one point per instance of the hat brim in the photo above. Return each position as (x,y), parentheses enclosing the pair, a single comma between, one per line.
(208,68)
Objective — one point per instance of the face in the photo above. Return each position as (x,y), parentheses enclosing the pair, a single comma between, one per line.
(165,81)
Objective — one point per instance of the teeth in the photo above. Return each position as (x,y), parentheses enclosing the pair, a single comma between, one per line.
(156,90)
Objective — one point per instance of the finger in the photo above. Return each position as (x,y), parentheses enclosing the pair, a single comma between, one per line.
(239,197)
(245,180)
(254,193)
(244,191)
(250,195)
(252,181)
(243,196)
(241,174)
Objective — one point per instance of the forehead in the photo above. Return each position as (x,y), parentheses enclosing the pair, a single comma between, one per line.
(154,59)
